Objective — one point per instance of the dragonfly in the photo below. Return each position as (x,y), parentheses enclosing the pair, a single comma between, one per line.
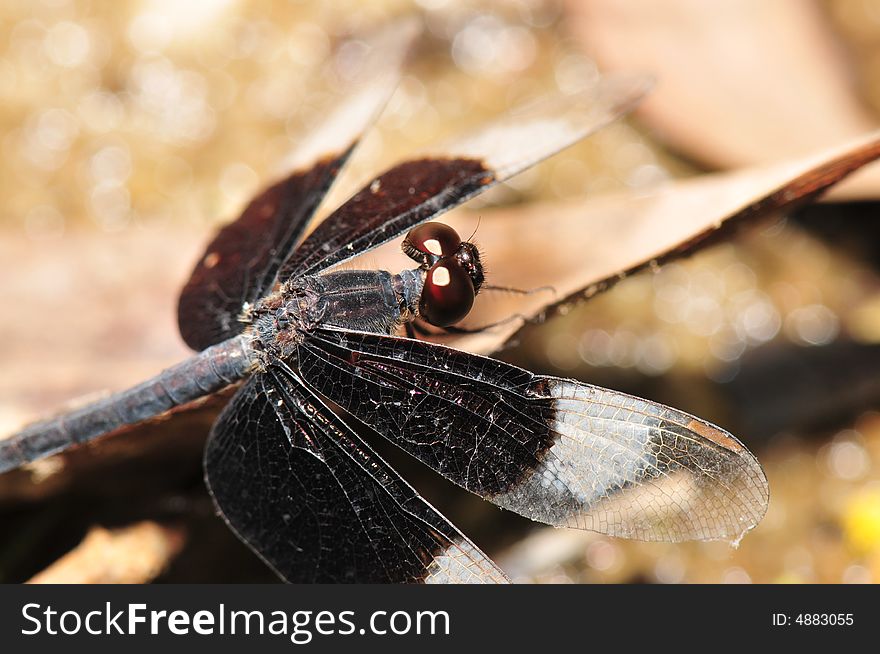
(321,352)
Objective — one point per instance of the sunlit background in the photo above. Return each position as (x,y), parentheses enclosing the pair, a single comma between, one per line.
(128,130)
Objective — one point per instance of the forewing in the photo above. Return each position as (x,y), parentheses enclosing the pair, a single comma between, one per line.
(241,263)
(554,450)
(310,498)
(425,187)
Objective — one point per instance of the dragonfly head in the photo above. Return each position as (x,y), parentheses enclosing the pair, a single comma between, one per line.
(453,272)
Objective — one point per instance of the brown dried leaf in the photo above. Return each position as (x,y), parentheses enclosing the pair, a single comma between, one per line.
(581,248)
(122,460)
(132,555)
(93,313)
(740,82)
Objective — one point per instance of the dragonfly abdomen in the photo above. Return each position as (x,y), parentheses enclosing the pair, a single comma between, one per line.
(207,372)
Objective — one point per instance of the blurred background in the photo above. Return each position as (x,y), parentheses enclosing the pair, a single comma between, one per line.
(129,131)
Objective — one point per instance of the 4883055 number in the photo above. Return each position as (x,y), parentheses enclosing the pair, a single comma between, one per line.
(824,619)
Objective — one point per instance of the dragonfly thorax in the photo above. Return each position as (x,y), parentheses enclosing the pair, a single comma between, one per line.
(277,321)
(373,301)
(440,291)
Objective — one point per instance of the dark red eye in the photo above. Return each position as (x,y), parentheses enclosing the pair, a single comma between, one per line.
(431,241)
(448,294)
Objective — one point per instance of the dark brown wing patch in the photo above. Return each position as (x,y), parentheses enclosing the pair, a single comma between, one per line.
(428,185)
(404,196)
(241,262)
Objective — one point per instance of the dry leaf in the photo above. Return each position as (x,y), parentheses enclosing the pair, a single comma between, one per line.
(132,555)
(92,311)
(581,248)
(740,82)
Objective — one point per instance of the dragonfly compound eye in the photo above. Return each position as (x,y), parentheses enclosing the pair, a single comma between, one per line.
(430,242)
(448,293)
